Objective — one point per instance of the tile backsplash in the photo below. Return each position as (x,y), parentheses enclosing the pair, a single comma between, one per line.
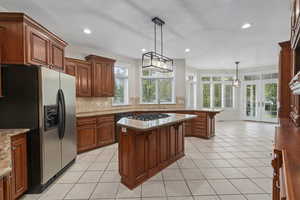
(95,104)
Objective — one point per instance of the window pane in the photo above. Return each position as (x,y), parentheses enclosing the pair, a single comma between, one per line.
(218,95)
(205,78)
(270,76)
(165,90)
(228,78)
(251,77)
(148,87)
(228,96)
(206,95)
(217,78)
(119,97)
(121,71)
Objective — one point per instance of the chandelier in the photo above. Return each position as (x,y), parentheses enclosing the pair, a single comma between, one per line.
(154,60)
(236,82)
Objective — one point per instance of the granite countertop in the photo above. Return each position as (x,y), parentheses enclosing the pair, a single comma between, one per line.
(116,111)
(5,149)
(152,124)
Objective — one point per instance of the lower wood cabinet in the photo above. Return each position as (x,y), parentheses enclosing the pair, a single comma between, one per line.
(19,165)
(143,154)
(5,188)
(95,132)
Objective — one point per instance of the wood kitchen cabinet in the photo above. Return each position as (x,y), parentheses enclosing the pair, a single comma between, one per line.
(105,130)
(19,165)
(142,154)
(103,81)
(86,134)
(29,43)
(93,132)
(285,76)
(5,188)
(82,71)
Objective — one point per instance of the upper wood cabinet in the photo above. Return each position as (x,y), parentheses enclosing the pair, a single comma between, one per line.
(82,70)
(26,42)
(285,75)
(103,81)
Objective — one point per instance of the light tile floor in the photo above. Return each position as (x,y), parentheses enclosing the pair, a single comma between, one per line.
(234,165)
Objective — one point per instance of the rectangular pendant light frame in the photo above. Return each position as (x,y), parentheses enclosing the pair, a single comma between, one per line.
(156,56)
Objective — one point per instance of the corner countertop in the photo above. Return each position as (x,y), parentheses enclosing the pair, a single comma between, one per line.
(152,124)
(5,149)
(124,110)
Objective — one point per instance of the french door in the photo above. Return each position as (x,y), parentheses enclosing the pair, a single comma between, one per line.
(260,100)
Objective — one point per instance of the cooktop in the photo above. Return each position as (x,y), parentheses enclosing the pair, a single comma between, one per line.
(148,116)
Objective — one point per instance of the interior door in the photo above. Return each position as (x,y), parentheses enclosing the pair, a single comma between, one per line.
(69,141)
(269,101)
(251,100)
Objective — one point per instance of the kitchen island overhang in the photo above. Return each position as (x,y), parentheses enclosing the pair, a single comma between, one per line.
(147,147)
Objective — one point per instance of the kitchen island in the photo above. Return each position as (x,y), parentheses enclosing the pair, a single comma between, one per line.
(149,143)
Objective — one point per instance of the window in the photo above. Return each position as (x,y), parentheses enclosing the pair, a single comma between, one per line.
(206,95)
(217,92)
(217,95)
(191,82)
(228,96)
(157,88)
(121,86)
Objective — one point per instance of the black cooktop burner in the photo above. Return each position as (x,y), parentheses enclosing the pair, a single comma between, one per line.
(148,116)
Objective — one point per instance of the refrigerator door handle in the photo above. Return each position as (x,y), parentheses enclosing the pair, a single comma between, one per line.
(61,114)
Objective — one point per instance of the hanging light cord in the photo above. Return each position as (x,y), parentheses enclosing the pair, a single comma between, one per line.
(161,40)
(155,37)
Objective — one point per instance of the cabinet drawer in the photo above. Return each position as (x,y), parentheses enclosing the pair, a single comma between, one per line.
(108,118)
(86,121)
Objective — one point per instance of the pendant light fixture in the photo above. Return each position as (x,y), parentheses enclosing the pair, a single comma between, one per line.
(236,83)
(154,60)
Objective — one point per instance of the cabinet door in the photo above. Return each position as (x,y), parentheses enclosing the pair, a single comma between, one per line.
(180,139)
(57,57)
(153,152)
(1,189)
(164,144)
(37,48)
(109,80)
(19,165)
(105,131)
(172,142)
(83,80)
(70,68)
(103,81)
(141,157)
(98,79)
(86,137)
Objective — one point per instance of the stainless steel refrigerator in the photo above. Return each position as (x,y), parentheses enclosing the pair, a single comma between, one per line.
(42,100)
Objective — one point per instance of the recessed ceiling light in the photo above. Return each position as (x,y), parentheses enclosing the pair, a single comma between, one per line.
(246,25)
(87,31)
(187,50)
(143,50)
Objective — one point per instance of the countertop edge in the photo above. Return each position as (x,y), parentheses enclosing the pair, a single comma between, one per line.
(154,127)
(100,113)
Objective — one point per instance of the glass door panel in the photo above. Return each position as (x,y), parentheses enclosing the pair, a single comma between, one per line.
(269,101)
(251,101)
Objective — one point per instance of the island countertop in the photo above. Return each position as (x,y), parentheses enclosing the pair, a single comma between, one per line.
(152,124)
(126,110)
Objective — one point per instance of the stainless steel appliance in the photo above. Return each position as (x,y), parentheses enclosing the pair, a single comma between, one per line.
(42,100)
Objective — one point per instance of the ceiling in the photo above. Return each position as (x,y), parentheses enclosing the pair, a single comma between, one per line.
(210,28)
